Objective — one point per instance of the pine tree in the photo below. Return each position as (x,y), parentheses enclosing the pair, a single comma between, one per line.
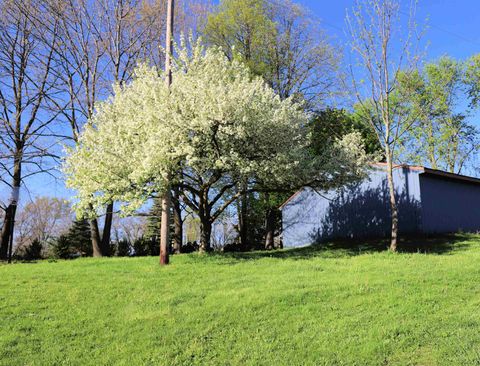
(79,237)
(152,230)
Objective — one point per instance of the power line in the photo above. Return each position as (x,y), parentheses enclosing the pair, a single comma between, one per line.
(446,31)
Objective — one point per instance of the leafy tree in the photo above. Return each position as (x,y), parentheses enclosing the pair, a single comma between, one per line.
(375,28)
(32,251)
(329,124)
(441,99)
(243,30)
(152,229)
(145,247)
(280,41)
(123,248)
(218,124)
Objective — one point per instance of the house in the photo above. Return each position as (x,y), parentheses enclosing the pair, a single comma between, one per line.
(429,201)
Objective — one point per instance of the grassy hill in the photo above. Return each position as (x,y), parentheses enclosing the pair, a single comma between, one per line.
(338,305)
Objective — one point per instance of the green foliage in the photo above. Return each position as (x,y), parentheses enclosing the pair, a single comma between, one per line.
(242,29)
(145,247)
(62,248)
(279,41)
(76,242)
(123,248)
(440,99)
(33,251)
(330,124)
(152,229)
(341,305)
(258,207)
(79,237)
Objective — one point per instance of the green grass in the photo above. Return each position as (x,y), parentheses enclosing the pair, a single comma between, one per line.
(340,305)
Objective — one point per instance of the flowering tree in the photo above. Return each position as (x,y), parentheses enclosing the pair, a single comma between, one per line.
(215,127)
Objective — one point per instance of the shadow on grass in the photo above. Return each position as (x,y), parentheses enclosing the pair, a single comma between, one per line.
(444,244)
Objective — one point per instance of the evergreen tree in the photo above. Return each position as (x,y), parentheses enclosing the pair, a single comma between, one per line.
(78,237)
(152,230)
(61,247)
(123,248)
(33,251)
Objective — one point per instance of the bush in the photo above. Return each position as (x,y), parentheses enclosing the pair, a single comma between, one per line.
(30,252)
(190,247)
(123,248)
(33,251)
(62,248)
(143,247)
(233,248)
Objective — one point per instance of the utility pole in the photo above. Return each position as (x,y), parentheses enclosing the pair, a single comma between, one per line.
(166,199)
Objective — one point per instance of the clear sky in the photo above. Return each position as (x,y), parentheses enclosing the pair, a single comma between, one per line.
(453,29)
(453,25)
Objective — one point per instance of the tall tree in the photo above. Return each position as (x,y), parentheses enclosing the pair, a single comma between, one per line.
(243,30)
(26,64)
(101,42)
(301,61)
(441,99)
(219,134)
(281,42)
(152,229)
(375,30)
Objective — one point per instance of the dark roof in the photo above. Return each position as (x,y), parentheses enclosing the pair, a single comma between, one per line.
(448,175)
(436,172)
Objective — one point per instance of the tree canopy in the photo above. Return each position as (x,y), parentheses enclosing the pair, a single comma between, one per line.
(216,125)
(440,99)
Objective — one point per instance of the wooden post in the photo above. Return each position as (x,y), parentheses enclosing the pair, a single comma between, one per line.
(166,199)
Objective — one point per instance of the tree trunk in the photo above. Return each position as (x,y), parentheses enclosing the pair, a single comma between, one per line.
(10,212)
(177,222)
(393,203)
(95,236)
(107,229)
(7,230)
(205,234)
(243,218)
(270,229)
(165,228)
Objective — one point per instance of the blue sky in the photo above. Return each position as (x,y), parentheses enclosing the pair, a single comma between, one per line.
(453,25)
(453,29)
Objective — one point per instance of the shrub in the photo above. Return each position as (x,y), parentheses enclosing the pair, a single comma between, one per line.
(144,247)
(123,248)
(190,247)
(33,251)
(62,248)
(30,252)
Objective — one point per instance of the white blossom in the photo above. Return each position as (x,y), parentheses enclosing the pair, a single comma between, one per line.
(214,116)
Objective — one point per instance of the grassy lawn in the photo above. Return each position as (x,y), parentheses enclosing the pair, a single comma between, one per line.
(338,305)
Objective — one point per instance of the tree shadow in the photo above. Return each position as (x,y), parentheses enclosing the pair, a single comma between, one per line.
(358,213)
(424,244)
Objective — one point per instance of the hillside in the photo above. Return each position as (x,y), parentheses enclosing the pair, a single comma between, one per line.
(330,306)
